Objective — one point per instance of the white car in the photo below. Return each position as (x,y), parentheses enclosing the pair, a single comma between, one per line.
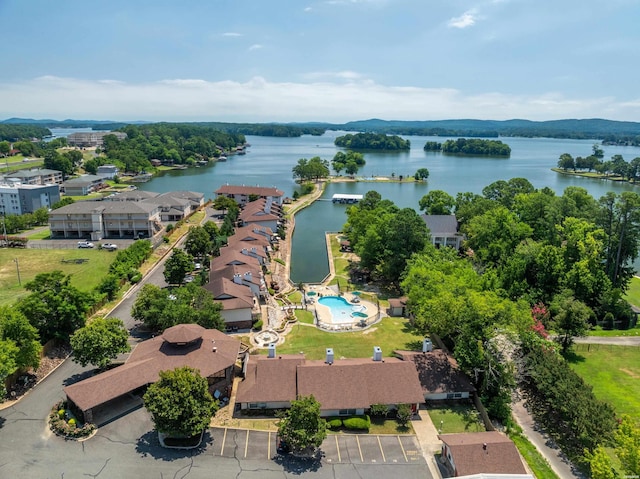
(110,246)
(188,278)
(85,244)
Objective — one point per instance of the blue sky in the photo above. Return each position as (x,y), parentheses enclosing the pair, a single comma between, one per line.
(324,60)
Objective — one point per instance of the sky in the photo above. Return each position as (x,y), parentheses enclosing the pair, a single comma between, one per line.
(324,60)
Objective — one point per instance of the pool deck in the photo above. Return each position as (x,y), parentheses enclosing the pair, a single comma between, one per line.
(323,313)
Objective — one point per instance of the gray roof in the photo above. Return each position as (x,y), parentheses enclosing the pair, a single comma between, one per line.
(134,195)
(79,207)
(32,173)
(85,207)
(84,180)
(441,224)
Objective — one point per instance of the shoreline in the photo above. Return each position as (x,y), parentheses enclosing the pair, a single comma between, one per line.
(594,176)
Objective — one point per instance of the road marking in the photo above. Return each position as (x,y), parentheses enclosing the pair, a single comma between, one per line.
(338,448)
(269,447)
(402,447)
(359,450)
(224,438)
(384,459)
(246,444)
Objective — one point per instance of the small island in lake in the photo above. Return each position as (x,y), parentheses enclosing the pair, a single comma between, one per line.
(372,141)
(472,146)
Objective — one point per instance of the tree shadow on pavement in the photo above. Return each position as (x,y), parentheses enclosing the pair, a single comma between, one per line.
(299,465)
(78,377)
(149,445)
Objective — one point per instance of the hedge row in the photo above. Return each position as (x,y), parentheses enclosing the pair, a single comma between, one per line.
(353,423)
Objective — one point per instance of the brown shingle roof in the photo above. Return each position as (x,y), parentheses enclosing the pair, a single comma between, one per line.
(438,372)
(148,359)
(232,256)
(359,383)
(230,294)
(183,333)
(471,457)
(270,379)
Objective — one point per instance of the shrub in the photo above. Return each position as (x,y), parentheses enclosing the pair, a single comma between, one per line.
(257,325)
(307,188)
(69,428)
(136,278)
(379,410)
(403,414)
(281,261)
(169,228)
(166,239)
(357,423)
(334,423)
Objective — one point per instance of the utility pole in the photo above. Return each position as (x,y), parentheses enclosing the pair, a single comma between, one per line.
(18,269)
(4,227)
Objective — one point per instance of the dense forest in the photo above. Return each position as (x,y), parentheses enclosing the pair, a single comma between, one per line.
(180,143)
(372,141)
(533,262)
(609,131)
(463,146)
(12,132)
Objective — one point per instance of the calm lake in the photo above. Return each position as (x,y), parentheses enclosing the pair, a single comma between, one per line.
(269,162)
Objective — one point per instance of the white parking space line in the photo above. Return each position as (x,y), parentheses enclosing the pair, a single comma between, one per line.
(402,447)
(359,449)
(224,438)
(338,448)
(246,444)
(384,459)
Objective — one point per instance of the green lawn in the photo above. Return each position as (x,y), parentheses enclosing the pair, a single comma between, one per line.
(613,372)
(537,463)
(455,418)
(43,234)
(633,293)
(389,334)
(304,316)
(84,276)
(295,297)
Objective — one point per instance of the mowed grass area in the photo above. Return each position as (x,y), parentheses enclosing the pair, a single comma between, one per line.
(633,293)
(389,334)
(304,316)
(84,276)
(613,372)
(537,463)
(453,418)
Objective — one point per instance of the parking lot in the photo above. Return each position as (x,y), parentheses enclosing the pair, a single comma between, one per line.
(336,448)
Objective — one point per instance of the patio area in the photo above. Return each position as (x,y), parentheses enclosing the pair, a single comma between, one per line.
(342,311)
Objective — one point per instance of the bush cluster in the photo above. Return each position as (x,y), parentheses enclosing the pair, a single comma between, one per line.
(68,429)
(334,423)
(360,423)
(127,261)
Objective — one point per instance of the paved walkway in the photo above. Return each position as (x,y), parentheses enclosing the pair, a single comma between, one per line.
(427,435)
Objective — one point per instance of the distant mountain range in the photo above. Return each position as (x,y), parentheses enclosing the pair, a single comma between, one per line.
(623,132)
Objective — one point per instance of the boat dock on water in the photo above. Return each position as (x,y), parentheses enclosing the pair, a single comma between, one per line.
(346,199)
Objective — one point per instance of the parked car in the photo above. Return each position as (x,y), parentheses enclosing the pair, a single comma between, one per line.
(85,244)
(110,246)
(188,278)
(197,266)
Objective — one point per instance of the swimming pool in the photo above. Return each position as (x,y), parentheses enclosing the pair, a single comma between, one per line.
(341,310)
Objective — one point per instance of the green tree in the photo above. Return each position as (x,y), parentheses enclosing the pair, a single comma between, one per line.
(566,162)
(180,403)
(15,327)
(8,364)
(198,243)
(403,414)
(160,309)
(224,203)
(421,175)
(5,148)
(302,428)
(600,464)
(55,307)
(628,445)
(177,266)
(312,169)
(99,342)
(597,151)
(570,318)
(437,202)
(63,202)
(110,285)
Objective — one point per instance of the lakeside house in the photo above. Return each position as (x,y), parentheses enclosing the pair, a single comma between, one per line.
(83,185)
(127,215)
(92,138)
(245,194)
(444,230)
(37,176)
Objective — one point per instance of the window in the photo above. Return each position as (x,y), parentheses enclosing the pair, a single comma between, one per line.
(257,405)
(347,412)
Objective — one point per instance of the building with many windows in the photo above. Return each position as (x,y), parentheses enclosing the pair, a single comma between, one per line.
(92,138)
(18,199)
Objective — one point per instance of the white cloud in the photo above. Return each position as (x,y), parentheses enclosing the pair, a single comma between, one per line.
(308,9)
(231,34)
(255,46)
(467,19)
(342,75)
(259,100)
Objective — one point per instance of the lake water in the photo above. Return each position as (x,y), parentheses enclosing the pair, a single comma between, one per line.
(269,162)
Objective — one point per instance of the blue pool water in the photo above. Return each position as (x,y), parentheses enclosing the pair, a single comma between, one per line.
(341,310)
